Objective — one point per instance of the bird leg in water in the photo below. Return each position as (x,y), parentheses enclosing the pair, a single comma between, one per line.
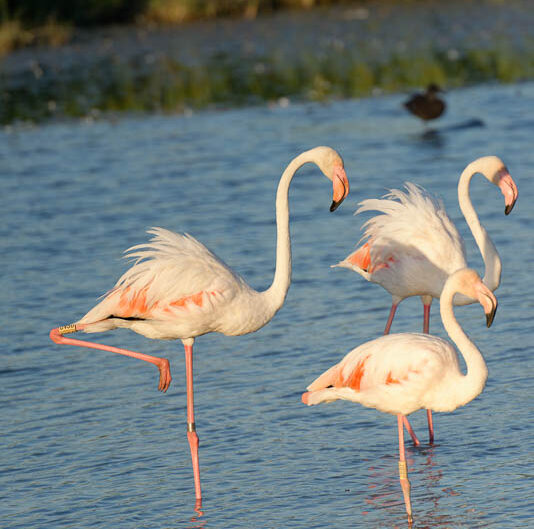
(403,470)
(427,301)
(192,436)
(410,431)
(391,316)
(57,336)
(386,331)
(426,317)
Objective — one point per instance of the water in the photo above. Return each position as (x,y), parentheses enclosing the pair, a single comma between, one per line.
(87,439)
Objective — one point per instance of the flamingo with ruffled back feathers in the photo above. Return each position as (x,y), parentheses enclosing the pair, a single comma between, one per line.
(402,373)
(412,246)
(178,289)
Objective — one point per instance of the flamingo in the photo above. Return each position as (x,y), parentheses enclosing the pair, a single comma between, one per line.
(402,373)
(178,289)
(413,246)
(426,105)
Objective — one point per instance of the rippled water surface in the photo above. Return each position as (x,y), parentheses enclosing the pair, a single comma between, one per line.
(88,441)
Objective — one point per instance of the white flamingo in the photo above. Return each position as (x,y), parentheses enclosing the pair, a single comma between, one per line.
(412,247)
(402,373)
(178,289)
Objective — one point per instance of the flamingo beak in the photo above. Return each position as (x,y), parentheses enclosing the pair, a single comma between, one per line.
(488,301)
(509,190)
(341,187)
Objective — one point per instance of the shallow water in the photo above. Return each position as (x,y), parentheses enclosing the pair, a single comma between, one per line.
(87,439)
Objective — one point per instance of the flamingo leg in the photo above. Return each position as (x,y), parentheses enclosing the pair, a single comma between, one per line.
(57,336)
(410,431)
(427,301)
(403,470)
(386,331)
(192,436)
(426,318)
(391,316)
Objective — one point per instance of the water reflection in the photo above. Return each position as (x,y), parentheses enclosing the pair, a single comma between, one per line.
(433,138)
(426,476)
(198,509)
(436,136)
(197,520)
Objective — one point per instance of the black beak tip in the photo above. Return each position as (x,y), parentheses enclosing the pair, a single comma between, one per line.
(508,209)
(490,317)
(334,205)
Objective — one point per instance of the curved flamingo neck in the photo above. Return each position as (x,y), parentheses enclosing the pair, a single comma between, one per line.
(277,292)
(472,383)
(490,255)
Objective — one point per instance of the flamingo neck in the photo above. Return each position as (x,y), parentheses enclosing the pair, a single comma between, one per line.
(277,292)
(472,383)
(490,255)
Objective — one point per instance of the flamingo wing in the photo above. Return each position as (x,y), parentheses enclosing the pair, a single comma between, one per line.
(415,223)
(172,273)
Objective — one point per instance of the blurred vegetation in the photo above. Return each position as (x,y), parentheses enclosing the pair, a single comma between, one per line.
(97,12)
(361,59)
(111,85)
(50,22)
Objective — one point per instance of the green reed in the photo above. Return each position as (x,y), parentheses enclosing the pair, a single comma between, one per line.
(165,85)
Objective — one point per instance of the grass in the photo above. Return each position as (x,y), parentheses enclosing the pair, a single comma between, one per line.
(356,53)
(223,80)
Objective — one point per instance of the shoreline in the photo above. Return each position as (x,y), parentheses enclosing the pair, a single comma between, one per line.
(315,55)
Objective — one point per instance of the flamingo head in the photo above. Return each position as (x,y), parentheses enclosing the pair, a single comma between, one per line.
(497,173)
(470,284)
(331,164)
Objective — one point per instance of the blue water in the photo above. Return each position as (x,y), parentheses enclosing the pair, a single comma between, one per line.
(88,441)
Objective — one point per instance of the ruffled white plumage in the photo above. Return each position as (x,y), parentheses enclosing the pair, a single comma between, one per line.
(414,245)
(169,268)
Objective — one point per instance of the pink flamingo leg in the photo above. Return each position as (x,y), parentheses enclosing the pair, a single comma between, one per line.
(426,319)
(56,335)
(191,429)
(427,301)
(410,431)
(403,470)
(391,316)
(386,331)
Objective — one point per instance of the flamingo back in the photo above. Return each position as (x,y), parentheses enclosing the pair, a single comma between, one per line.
(411,246)
(174,278)
(397,373)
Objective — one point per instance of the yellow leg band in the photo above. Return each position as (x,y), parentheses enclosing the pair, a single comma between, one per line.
(67,329)
(403,470)
(191,427)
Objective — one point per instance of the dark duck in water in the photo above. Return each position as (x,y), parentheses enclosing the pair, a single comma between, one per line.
(426,105)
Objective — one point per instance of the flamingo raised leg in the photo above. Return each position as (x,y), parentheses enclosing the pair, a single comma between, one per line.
(178,289)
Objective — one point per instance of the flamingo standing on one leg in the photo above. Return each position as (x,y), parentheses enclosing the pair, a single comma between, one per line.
(413,246)
(178,289)
(402,373)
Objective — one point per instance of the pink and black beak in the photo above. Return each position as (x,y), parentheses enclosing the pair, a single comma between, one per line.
(341,187)
(488,302)
(508,189)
